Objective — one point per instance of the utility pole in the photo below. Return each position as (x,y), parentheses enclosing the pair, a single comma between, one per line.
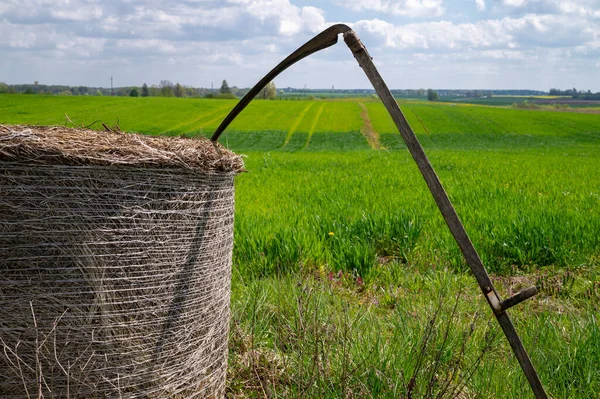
(112,92)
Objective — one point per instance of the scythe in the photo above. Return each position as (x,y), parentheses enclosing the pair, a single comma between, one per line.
(328,38)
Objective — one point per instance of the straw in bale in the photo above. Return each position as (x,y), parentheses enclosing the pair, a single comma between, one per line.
(115,264)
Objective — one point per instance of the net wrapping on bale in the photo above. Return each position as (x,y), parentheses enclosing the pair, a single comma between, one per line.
(115,262)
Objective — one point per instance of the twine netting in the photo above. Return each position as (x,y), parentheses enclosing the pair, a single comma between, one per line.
(115,262)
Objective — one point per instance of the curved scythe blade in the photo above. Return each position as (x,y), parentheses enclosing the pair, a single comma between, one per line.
(325,39)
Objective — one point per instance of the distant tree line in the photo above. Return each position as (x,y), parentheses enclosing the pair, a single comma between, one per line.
(574,93)
(432,95)
(165,88)
(465,93)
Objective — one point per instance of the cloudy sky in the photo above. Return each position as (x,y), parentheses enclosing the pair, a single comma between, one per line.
(485,44)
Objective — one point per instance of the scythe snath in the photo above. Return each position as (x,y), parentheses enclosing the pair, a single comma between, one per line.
(328,38)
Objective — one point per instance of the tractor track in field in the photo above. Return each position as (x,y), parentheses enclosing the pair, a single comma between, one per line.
(313,126)
(197,120)
(421,122)
(296,124)
(367,129)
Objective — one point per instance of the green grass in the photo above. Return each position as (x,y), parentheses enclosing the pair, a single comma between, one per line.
(437,125)
(323,336)
(176,115)
(507,101)
(341,256)
(150,115)
(518,208)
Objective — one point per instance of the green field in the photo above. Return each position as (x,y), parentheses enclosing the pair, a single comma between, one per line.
(548,102)
(342,260)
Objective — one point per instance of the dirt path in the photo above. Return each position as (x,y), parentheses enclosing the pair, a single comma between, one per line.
(367,129)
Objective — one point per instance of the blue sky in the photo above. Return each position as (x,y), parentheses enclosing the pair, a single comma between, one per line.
(484,44)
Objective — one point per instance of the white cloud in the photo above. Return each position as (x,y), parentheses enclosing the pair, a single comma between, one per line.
(180,18)
(504,54)
(79,47)
(50,44)
(408,8)
(507,33)
(480,5)
(514,3)
(82,13)
(590,50)
(13,37)
(153,46)
(582,8)
(289,19)
(435,36)
(225,58)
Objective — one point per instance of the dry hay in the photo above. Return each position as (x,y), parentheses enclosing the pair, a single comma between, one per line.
(115,257)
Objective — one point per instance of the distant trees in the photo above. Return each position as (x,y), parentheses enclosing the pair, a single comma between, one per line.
(477,94)
(268,92)
(194,92)
(574,93)
(166,88)
(134,92)
(225,89)
(225,92)
(4,88)
(569,92)
(432,95)
(179,90)
(559,92)
(154,91)
(589,96)
(166,91)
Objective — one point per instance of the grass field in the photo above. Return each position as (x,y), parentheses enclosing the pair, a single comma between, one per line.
(345,276)
(559,101)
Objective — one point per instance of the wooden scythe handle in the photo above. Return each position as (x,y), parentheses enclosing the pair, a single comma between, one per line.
(328,38)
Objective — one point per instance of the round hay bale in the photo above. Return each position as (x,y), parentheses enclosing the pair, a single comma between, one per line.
(115,264)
